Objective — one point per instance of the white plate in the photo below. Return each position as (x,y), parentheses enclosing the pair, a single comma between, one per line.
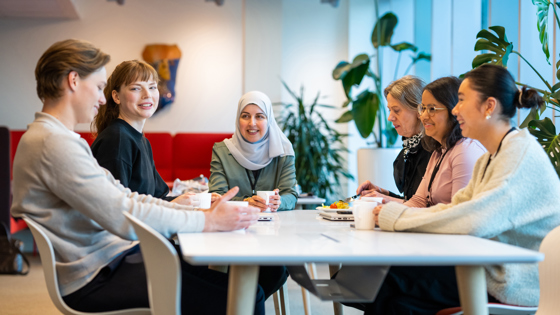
(328,209)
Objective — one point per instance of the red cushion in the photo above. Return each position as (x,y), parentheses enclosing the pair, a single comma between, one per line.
(192,153)
(16,226)
(15,136)
(88,136)
(162,150)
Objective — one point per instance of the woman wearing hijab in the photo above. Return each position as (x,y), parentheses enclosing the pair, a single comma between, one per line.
(257,157)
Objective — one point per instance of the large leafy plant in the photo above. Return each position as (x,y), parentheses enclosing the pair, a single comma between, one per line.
(318,147)
(367,106)
(498,50)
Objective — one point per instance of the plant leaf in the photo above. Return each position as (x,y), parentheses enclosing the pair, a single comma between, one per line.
(498,45)
(533,115)
(404,46)
(386,25)
(351,73)
(542,23)
(422,56)
(545,132)
(346,117)
(558,66)
(364,111)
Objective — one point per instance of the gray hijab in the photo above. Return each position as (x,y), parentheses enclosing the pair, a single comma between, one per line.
(257,155)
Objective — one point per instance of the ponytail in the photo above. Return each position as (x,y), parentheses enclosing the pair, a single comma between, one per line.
(527,98)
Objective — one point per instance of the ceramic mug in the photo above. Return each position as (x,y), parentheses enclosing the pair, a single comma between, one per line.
(363,213)
(266,195)
(205,200)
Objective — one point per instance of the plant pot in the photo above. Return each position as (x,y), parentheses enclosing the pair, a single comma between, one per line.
(376,165)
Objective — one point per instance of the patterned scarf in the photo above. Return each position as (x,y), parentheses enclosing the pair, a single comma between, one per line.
(411,143)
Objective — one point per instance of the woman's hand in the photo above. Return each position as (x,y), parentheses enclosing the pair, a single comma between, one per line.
(275,201)
(367,188)
(227,217)
(376,212)
(187,199)
(257,202)
(385,197)
(215,196)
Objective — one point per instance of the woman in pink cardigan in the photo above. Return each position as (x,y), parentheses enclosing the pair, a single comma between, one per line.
(453,156)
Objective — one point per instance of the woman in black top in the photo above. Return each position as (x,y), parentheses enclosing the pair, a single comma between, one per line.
(120,147)
(403,97)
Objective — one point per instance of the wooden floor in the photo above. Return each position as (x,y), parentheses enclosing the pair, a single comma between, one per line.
(28,295)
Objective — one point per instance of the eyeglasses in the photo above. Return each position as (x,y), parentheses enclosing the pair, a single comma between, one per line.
(432,109)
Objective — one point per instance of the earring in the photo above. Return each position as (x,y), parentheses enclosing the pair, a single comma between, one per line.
(488,116)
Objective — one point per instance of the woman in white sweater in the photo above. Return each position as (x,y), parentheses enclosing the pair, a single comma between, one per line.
(512,198)
(59,184)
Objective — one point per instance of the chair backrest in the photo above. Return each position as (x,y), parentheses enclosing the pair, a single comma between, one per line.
(163,268)
(49,269)
(5,190)
(549,274)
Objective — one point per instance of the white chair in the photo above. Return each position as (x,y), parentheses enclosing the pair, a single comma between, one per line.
(163,268)
(49,268)
(549,280)
(549,274)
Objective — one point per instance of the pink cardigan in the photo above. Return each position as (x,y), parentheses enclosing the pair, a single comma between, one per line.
(454,173)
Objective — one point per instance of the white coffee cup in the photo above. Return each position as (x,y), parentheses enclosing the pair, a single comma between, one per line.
(266,195)
(205,200)
(238,203)
(363,214)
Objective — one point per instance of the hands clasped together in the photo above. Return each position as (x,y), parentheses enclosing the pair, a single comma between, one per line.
(259,202)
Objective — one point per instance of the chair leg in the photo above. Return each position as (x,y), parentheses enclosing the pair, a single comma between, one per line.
(336,306)
(276,298)
(284,299)
(281,301)
(304,294)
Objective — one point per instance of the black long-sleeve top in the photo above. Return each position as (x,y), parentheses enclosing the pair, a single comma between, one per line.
(127,154)
(409,173)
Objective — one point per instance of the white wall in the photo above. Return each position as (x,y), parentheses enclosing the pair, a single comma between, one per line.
(209,75)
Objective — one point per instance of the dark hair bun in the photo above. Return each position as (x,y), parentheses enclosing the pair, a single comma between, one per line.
(530,98)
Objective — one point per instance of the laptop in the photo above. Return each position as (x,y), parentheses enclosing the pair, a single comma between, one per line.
(333,216)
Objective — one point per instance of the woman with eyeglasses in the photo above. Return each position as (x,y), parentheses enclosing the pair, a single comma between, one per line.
(453,156)
(512,198)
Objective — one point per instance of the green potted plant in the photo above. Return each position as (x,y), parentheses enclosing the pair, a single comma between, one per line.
(318,160)
(367,106)
(498,50)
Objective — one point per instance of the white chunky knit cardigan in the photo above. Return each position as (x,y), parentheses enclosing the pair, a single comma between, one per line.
(517,202)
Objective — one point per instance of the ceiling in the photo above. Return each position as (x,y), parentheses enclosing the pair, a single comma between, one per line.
(54,9)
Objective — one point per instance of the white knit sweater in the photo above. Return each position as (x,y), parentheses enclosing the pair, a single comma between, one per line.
(515,203)
(58,183)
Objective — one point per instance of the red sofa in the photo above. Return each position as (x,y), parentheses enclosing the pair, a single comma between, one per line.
(183,156)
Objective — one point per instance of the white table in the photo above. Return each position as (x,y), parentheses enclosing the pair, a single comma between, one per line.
(298,237)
